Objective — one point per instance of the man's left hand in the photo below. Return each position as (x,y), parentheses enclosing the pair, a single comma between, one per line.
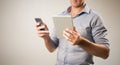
(72,36)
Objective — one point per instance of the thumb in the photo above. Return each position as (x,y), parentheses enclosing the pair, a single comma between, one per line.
(46,28)
(74,29)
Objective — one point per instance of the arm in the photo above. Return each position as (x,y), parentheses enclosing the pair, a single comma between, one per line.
(50,44)
(93,48)
(45,35)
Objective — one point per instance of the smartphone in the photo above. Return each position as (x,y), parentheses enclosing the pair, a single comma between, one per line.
(39,20)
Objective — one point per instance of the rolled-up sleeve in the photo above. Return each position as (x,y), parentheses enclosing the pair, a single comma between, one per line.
(99,32)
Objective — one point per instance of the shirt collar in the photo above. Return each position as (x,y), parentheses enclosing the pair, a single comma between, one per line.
(85,10)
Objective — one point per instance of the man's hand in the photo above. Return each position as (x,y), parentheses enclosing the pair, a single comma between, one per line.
(42,30)
(72,36)
(93,48)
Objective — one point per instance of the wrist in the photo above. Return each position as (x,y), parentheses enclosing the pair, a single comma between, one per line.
(78,42)
(46,38)
(83,42)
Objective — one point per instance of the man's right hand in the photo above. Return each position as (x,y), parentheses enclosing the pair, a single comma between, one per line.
(42,31)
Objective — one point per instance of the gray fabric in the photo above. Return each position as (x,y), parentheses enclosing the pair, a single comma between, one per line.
(89,25)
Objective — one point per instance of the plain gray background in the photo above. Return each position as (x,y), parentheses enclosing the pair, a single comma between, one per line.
(20,44)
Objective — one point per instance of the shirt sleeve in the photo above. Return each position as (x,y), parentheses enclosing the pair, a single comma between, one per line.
(99,32)
(54,37)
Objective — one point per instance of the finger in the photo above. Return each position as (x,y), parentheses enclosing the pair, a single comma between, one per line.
(43,32)
(68,36)
(40,27)
(72,32)
(37,24)
(69,31)
(43,35)
(69,39)
(46,28)
(65,36)
(66,33)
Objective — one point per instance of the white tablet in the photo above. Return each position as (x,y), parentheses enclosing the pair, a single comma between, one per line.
(62,22)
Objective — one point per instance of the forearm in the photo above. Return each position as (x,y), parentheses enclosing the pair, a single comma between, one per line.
(50,44)
(45,35)
(95,49)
